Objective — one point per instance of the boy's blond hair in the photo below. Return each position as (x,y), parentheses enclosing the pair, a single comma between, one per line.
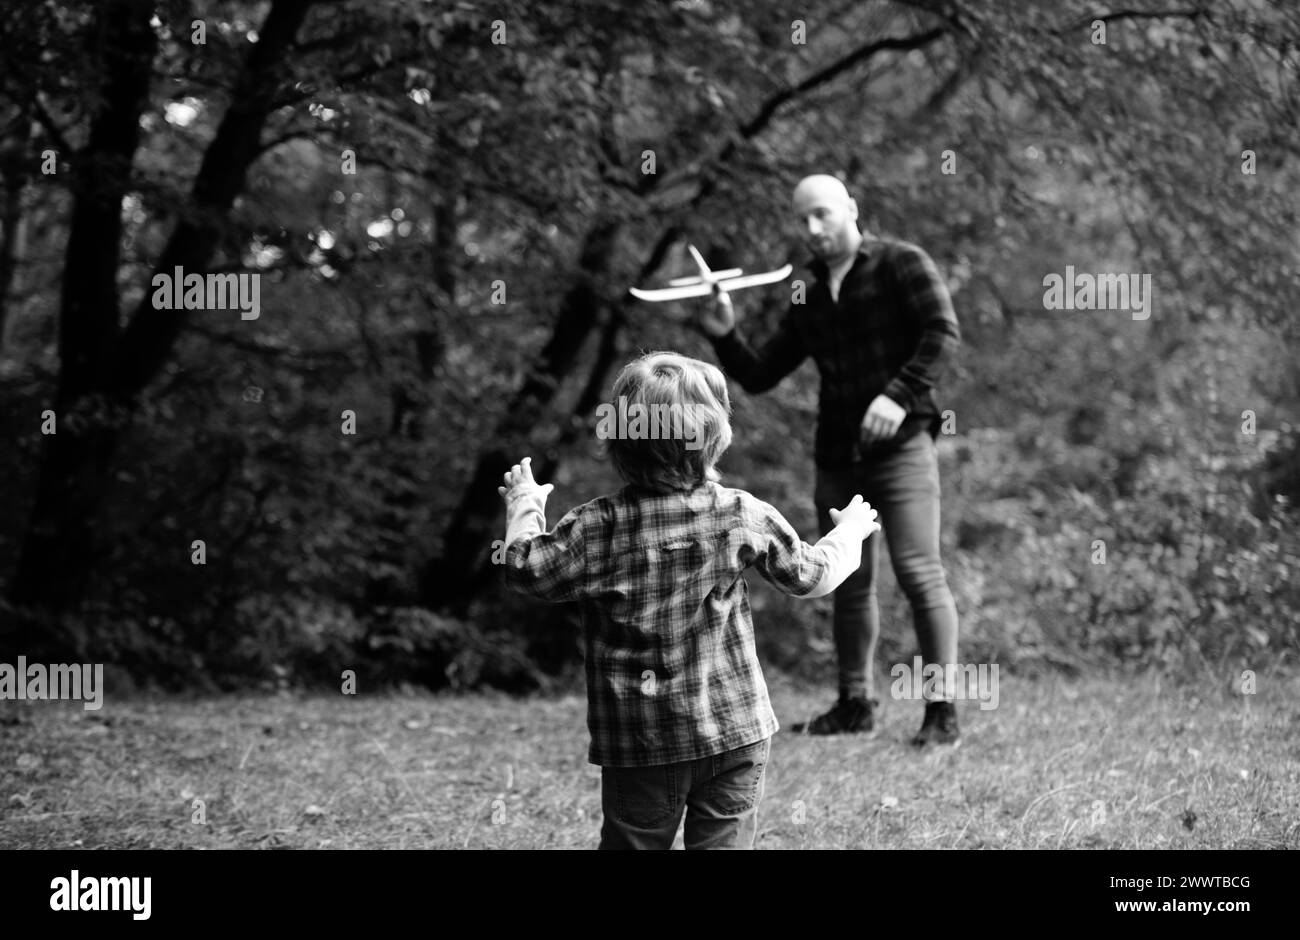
(695,394)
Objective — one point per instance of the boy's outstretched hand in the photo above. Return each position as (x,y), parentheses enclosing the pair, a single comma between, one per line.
(519,482)
(859,512)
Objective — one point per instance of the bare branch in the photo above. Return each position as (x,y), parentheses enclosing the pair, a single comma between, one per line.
(1119,15)
(759,121)
(706,169)
(46,120)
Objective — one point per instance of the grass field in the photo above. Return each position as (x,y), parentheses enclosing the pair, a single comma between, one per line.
(1097,763)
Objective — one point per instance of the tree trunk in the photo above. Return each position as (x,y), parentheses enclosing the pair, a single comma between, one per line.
(450,581)
(476,525)
(102,369)
(16,162)
(58,548)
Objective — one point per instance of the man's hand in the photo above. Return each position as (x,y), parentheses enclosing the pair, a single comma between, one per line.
(718,318)
(858,512)
(882,420)
(519,482)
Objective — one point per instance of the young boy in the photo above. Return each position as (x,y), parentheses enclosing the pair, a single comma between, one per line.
(676,703)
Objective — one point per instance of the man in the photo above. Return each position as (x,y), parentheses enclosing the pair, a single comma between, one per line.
(879,323)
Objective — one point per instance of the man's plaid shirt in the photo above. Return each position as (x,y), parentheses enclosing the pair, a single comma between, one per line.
(891,332)
(671,670)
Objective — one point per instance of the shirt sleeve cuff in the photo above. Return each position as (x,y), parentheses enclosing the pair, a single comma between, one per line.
(842,547)
(525,515)
(899,392)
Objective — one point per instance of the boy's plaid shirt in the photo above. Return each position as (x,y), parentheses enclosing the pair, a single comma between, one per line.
(671,670)
(892,331)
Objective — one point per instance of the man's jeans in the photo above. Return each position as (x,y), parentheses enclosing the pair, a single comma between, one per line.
(720,794)
(903,487)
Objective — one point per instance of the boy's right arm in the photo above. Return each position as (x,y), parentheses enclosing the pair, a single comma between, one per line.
(796,568)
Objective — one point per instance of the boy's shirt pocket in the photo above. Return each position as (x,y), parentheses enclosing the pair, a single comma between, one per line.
(687,557)
(684,564)
(654,590)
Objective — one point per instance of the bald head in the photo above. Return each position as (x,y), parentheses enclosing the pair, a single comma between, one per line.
(821,188)
(827,217)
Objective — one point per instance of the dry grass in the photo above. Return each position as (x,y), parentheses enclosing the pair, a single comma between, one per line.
(1096,763)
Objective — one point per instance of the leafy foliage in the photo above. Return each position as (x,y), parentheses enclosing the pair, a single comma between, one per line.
(515,171)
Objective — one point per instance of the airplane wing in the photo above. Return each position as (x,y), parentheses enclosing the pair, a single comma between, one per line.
(672,293)
(754,280)
(696,279)
(704,289)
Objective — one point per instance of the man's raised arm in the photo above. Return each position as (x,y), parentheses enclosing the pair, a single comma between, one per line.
(755,370)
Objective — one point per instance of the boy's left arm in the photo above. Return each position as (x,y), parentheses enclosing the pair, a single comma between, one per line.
(545,565)
(796,568)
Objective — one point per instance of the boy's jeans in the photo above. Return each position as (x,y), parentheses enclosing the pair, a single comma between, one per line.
(720,794)
(903,486)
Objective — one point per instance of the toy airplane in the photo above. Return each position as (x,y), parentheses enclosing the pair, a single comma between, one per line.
(702,285)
